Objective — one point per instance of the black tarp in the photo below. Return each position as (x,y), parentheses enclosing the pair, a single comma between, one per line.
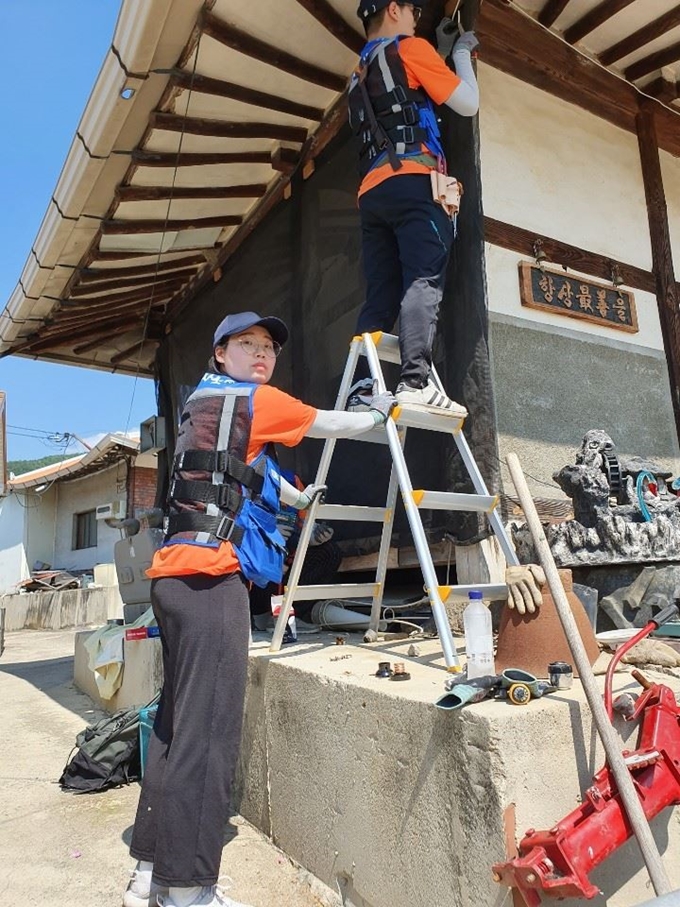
(303,264)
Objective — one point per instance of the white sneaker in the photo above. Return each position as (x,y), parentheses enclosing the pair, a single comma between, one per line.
(210,896)
(428,399)
(360,396)
(141,891)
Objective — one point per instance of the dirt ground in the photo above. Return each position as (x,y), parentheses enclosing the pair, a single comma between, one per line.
(61,850)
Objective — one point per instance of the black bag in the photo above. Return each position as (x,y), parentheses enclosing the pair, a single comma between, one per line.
(107,754)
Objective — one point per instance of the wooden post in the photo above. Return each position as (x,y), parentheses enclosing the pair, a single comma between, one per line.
(662,256)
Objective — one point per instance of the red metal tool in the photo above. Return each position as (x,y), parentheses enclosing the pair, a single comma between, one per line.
(556,863)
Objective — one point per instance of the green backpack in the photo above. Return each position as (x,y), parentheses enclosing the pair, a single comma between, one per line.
(106,754)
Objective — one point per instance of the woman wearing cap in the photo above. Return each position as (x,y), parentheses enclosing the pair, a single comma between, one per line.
(220,534)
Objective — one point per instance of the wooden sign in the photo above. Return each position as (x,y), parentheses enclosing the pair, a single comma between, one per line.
(555,291)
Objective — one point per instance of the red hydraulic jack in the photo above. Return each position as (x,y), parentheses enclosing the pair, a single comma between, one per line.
(556,863)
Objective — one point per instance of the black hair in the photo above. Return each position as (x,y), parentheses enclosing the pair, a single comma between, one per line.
(375,21)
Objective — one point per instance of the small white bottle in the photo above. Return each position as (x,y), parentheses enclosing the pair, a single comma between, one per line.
(478,637)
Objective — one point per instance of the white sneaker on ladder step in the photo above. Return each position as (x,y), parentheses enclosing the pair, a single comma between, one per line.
(141,891)
(428,399)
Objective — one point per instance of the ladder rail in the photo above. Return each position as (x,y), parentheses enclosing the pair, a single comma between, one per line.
(306,534)
(384,552)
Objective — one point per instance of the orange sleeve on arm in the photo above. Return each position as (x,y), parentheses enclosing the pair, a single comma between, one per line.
(426,69)
(278,418)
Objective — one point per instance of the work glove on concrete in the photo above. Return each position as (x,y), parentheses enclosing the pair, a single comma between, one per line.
(466,43)
(446,34)
(321,533)
(524,587)
(309,494)
(382,405)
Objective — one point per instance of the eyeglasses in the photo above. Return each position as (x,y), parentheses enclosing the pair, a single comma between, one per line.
(270,348)
(416,10)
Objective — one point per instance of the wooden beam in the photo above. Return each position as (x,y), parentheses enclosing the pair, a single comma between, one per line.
(172,122)
(204,85)
(662,256)
(518,239)
(552,10)
(285,160)
(95,274)
(112,299)
(126,353)
(653,62)
(663,90)
(515,44)
(102,333)
(39,344)
(134,227)
(192,193)
(642,36)
(333,22)
(163,159)
(270,54)
(594,19)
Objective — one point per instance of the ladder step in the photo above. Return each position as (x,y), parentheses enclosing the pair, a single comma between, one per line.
(490,591)
(387,346)
(443,500)
(351,512)
(406,417)
(341,590)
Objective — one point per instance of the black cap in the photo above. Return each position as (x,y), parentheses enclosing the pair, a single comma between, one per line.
(241,321)
(369,7)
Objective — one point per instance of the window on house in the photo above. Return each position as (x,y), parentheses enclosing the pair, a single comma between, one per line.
(84,530)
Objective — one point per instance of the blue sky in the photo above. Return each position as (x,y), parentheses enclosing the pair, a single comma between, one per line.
(52,58)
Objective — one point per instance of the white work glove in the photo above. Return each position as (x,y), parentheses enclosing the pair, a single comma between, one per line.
(524,587)
(309,494)
(467,42)
(381,406)
(321,533)
(446,35)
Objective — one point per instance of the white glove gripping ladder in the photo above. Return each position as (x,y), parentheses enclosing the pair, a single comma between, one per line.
(375,347)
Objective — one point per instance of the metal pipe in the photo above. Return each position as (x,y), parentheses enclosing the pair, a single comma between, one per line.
(611,743)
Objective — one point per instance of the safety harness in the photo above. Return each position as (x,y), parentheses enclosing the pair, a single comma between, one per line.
(215,496)
(391,120)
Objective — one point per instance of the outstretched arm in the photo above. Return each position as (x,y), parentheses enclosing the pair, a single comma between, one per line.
(332,423)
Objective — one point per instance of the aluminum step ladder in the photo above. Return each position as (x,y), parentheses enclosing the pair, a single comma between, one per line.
(376,347)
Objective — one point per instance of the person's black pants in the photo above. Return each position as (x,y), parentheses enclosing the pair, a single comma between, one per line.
(185,801)
(406,239)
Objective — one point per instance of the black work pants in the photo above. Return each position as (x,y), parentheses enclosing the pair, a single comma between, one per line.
(185,800)
(406,239)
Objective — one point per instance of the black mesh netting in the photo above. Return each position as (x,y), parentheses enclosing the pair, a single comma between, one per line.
(303,264)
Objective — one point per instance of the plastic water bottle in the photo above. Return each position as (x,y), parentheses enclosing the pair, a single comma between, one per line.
(478,637)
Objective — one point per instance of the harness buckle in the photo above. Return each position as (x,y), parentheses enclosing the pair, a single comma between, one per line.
(399,94)
(222,532)
(410,114)
(408,135)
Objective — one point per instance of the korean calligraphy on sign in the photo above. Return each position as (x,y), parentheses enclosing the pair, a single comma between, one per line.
(577,297)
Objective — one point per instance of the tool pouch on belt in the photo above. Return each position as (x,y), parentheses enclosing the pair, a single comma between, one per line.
(447,191)
(262,549)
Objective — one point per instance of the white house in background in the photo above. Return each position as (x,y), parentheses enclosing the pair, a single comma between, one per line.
(54,518)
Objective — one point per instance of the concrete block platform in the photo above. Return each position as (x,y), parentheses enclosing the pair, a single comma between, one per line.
(392,802)
(395,803)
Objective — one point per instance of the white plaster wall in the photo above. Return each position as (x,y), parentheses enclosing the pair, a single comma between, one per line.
(41,511)
(78,496)
(670,172)
(13,565)
(551,167)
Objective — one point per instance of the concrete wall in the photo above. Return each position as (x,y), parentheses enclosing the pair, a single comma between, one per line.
(60,610)
(78,496)
(551,167)
(13,564)
(41,515)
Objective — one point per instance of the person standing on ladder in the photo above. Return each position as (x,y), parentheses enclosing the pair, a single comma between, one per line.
(220,535)
(406,233)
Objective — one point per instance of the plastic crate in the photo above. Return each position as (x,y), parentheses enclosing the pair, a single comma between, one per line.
(147,717)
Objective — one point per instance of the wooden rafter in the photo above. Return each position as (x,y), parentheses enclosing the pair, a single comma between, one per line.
(133,227)
(642,36)
(205,85)
(164,159)
(285,160)
(125,326)
(552,10)
(333,22)
(663,90)
(38,344)
(113,299)
(270,54)
(653,62)
(126,353)
(594,19)
(143,281)
(172,122)
(95,274)
(165,193)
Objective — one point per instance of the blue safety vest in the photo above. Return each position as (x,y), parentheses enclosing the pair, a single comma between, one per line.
(216,496)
